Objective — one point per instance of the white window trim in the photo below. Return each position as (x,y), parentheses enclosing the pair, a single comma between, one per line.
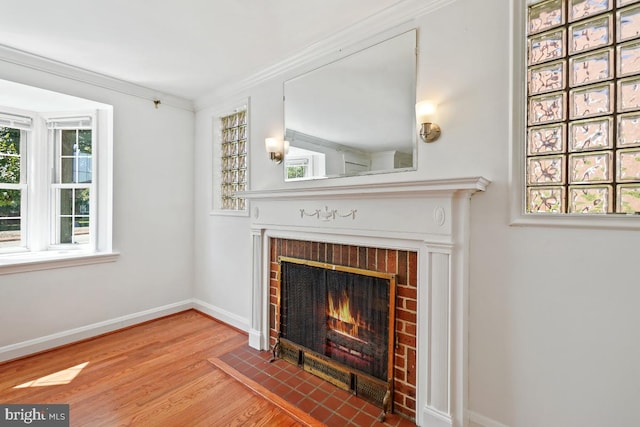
(216,164)
(517,132)
(41,255)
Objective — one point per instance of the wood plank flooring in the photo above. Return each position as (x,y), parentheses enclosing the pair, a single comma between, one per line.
(154,374)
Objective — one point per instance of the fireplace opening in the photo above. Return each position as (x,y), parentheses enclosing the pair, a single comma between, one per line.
(338,323)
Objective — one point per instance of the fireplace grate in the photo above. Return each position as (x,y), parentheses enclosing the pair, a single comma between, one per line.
(337,323)
(360,384)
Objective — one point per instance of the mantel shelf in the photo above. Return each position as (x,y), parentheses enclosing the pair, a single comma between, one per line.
(425,188)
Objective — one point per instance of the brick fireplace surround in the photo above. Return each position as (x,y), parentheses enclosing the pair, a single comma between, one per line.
(420,226)
(400,262)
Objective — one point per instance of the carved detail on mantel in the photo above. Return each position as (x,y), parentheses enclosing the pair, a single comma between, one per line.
(328,215)
(439,216)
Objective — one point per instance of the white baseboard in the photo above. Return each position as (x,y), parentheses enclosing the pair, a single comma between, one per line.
(483,421)
(24,348)
(432,417)
(222,315)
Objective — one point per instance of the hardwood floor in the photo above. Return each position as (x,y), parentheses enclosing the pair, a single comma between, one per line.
(154,374)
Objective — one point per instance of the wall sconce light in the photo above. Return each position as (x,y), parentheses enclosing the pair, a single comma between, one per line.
(276,148)
(425,111)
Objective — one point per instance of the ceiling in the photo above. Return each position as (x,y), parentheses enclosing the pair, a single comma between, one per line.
(183,48)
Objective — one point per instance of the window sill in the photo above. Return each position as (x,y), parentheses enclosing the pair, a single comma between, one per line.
(221,212)
(25,262)
(610,221)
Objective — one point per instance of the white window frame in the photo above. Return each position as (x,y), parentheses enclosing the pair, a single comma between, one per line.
(38,252)
(517,131)
(216,165)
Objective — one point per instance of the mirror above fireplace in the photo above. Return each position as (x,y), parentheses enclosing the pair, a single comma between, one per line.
(354,116)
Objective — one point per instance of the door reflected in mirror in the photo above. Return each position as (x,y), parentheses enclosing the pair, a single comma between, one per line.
(354,116)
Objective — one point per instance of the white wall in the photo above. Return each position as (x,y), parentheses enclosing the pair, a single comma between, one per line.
(152,223)
(552,310)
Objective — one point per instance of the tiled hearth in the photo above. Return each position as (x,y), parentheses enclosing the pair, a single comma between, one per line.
(323,401)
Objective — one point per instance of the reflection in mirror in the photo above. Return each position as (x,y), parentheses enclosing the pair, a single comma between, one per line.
(354,116)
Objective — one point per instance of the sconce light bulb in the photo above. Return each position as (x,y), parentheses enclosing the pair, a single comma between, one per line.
(425,111)
(275,148)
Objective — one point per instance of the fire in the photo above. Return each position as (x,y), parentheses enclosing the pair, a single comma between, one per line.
(341,319)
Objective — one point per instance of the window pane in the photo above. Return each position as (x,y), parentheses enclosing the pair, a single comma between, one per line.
(629,165)
(546,47)
(591,134)
(628,59)
(628,198)
(68,170)
(590,200)
(628,130)
(547,78)
(546,15)
(10,221)
(591,68)
(591,101)
(593,167)
(76,158)
(584,8)
(68,138)
(544,109)
(81,230)
(73,216)
(546,170)
(590,34)
(84,142)
(546,199)
(629,94)
(629,23)
(546,139)
(9,155)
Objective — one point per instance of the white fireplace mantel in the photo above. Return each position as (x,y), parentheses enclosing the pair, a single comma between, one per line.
(430,217)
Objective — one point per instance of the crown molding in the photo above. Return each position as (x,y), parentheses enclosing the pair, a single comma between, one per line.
(403,13)
(81,75)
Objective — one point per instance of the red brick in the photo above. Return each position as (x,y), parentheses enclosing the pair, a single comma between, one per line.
(402,267)
(392,261)
(405,315)
(405,339)
(407,292)
(362,257)
(413,269)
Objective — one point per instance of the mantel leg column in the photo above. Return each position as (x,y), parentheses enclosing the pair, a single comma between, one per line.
(437,301)
(256,337)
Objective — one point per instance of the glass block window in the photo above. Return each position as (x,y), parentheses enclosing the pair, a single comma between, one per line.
(583,107)
(233,160)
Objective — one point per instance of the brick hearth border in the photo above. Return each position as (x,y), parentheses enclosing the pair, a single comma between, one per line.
(400,262)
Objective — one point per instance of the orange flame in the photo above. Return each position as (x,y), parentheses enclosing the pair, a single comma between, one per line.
(341,319)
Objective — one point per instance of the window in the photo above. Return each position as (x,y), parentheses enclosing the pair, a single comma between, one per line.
(583,107)
(55,180)
(231,161)
(300,164)
(12,179)
(72,186)
(297,168)
(63,206)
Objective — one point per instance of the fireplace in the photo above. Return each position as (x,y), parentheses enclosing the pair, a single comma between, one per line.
(338,322)
(386,263)
(417,229)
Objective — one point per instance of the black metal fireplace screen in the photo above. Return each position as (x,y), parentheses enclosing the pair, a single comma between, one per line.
(338,322)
